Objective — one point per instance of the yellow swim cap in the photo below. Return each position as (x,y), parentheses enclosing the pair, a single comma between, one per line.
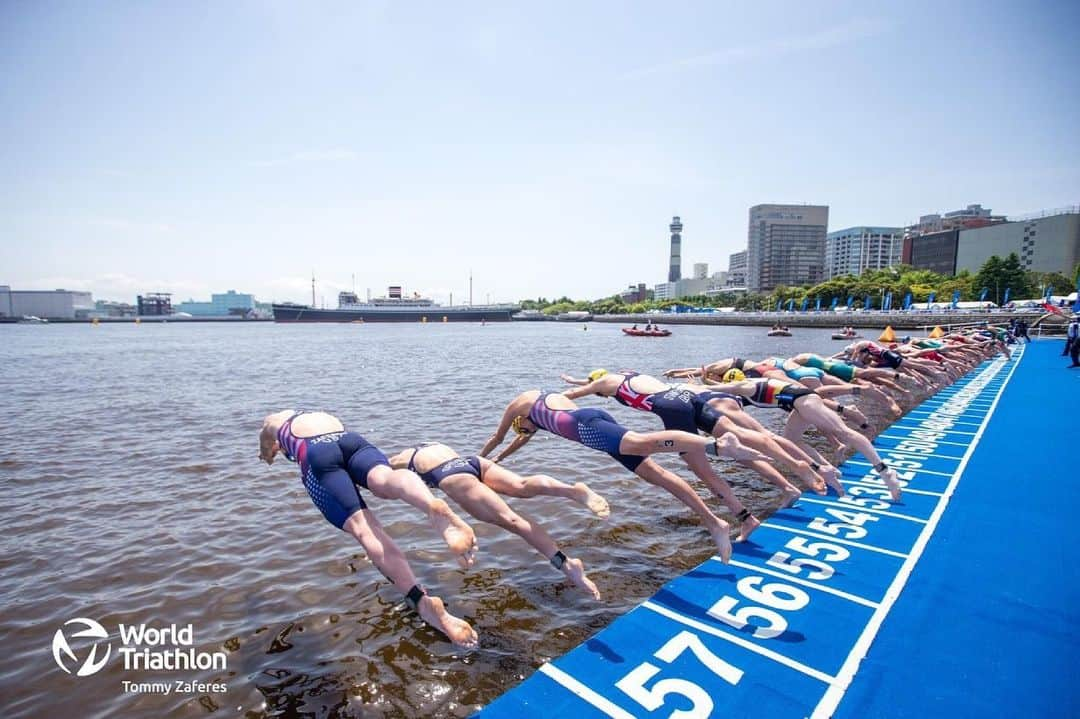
(597,374)
(733,375)
(518,429)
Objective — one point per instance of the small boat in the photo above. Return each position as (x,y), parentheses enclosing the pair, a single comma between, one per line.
(845,335)
(644,333)
(779,333)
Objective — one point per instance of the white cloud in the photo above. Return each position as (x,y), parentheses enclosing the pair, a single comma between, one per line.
(334,154)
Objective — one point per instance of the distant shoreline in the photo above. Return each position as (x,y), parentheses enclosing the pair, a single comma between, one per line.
(832,320)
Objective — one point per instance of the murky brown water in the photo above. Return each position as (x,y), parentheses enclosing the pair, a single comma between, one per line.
(130,493)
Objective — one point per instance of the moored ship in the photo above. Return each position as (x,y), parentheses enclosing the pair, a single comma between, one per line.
(393,308)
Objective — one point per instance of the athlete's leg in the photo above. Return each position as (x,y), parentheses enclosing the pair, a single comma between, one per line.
(656,475)
(503,481)
(385,555)
(408,487)
(483,503)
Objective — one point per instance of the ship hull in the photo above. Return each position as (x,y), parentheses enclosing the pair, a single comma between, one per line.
(283,313)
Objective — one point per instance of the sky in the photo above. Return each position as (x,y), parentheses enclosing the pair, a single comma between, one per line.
(192,147)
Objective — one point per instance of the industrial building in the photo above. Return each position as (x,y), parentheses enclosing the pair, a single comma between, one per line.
(46,304)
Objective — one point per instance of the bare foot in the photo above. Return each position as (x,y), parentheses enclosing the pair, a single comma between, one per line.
(458,535)
(433,611)
(596,504)
(728,445)
(892,482)
(575,571)
(790,495)
(840,454)
(722,536)
(748,526)
(813,481)
(832,478)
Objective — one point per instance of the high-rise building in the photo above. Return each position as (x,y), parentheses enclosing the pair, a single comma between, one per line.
(701,270)
(856,249)
(736,274)
(786,246)
(675,264)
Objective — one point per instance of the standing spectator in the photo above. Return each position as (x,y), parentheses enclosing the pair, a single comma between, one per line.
(1070,337)
(1073,342)
(1022,330)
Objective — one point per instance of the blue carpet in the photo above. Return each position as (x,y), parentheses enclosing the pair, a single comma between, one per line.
(962,606)
(987,625)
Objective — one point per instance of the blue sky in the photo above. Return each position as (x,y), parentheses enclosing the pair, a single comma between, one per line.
(197,147)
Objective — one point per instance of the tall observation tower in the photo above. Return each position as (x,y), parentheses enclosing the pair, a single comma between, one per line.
(675,266)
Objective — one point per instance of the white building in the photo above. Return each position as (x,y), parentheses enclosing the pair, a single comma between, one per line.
(47,304)
(854,250)
(1048,243)
(736,274)
(785,245)
(701,270)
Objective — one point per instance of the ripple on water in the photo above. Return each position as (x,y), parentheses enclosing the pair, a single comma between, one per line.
(156,510)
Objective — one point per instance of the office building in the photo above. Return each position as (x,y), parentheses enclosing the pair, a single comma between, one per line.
(736,274)
(786,246)
(675,260)
(854,250)
(935,251)
(636,293)
(46,304)
(1044,243)
(970,217)
(701,270)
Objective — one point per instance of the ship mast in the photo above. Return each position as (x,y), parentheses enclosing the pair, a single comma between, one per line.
(313,289)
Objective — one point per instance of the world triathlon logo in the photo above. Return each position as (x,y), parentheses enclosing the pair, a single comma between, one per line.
(61,648)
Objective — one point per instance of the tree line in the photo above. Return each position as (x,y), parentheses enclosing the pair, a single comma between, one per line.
(996,277)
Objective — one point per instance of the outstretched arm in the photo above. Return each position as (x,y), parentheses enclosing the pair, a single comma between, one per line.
(514,446)
(573,380)
(504,426)
(583,391)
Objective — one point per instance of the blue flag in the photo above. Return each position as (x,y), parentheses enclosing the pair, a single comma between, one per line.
(907,301)
(982,295)
(817,306)
(805,302)
(930,299)
(791,304)
(850,301)
(1076,305)
(868,303)
(1049,292)
(1008,291)
(955,298)
(778,303)
(887,304)
(835,302)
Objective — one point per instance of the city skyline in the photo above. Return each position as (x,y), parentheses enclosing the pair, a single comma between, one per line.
(168,149)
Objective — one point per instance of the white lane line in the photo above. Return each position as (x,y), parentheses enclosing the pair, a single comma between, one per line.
(577,688)
(834,540)
(881,485)
(942,416)
(803,582)
(919,439)
(835,693)
(930,429)
(757,649)
(856,508)
(883,450)
(900,469)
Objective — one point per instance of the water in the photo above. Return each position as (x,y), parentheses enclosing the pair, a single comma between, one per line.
(131,493)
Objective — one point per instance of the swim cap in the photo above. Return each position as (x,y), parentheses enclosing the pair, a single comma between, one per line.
(518,429)
(597,374)
(733,375)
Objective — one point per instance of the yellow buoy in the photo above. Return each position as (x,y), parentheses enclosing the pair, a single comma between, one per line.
(888,335)
(94,322)
(138,321)
(937,332)
(423,320)
(444,318)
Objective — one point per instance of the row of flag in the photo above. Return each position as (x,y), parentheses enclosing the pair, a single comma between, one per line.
(887,300)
